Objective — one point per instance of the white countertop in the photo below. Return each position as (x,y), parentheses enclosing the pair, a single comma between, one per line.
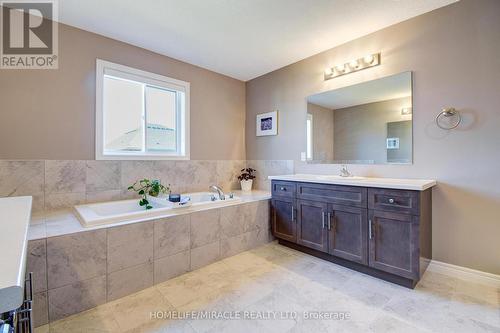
(15,216)
(391,183)
(63,222)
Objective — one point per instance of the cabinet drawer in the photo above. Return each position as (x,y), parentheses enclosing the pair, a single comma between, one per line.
(336,194)
(400,201)
(283,189)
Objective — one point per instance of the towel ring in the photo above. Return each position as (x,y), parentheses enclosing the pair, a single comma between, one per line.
(449,114)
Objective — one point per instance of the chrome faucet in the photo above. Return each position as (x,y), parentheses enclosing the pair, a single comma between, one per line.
(215,188)
(344,172)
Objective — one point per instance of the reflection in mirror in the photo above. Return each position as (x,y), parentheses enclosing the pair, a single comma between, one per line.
(367,123)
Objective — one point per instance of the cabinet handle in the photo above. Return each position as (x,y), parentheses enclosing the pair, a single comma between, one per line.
(323,219)
(282,189)
(391,200)
(329,221)
(370,229)
(293,214)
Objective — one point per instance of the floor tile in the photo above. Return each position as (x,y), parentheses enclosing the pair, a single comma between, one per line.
(138,310)
(42,329)
(99,319)
(284,290)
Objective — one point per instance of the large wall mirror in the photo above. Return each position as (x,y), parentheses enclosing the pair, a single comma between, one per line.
(367,123)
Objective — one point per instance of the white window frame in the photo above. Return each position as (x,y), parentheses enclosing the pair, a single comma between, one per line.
(183,134)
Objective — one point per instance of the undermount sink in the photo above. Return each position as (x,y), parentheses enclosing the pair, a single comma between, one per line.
(339,177)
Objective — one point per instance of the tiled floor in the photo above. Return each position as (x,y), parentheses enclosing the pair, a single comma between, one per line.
(274,280)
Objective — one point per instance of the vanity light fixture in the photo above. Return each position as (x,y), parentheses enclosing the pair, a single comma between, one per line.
(352,66)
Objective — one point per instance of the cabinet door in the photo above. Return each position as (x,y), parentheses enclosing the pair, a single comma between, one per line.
(311,224)
(393,239)
(284,225)
(348,233)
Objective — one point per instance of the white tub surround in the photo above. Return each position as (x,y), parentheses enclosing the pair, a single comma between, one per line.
(130,210)
(65,221)
(389,183)
(15,218)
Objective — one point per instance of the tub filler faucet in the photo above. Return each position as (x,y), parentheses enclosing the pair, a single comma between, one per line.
(215,188)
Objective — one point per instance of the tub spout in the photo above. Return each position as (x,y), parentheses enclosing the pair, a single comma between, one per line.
(215,188)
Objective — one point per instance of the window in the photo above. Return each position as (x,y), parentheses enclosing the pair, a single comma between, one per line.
(309,136)
(140,115)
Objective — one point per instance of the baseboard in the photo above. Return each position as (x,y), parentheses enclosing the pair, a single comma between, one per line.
(464,273)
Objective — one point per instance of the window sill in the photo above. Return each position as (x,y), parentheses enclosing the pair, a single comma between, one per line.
(140,158)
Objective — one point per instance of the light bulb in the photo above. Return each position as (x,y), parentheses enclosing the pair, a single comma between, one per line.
(354,64)
(369,59)
(340,69)
(328,71)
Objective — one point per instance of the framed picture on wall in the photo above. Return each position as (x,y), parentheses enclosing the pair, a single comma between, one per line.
(267,124)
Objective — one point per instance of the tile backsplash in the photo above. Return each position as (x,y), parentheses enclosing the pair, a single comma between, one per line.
(267,168)
(57,184)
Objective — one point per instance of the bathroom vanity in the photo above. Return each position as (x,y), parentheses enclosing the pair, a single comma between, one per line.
(381,227)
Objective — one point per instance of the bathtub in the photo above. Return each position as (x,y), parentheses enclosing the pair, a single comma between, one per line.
(114,212)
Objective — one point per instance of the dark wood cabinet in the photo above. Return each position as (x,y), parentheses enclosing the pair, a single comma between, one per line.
(312,224)
(335,194)
(348,233)
(383,232)
(283,219)
(394,243)
(283,189)
(399,201)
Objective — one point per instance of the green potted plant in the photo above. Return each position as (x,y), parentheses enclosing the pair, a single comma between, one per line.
(145,187)
(246,179)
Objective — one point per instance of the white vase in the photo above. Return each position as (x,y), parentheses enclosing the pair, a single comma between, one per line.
(246,185)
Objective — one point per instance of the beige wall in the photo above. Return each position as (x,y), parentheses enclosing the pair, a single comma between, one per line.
(454,55)
(322,132)
(361,130)
(49,114)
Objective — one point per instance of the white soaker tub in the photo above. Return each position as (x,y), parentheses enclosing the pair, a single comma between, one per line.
(113,212)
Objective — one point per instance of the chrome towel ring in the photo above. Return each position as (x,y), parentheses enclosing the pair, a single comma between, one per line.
(448,119)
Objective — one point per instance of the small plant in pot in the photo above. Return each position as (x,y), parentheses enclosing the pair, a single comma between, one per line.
(145,187)
(246,179)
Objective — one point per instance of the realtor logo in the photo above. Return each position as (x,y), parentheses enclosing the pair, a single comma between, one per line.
(28,34)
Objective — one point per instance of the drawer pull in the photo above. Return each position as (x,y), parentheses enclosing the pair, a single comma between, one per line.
(282,189)
(391,200)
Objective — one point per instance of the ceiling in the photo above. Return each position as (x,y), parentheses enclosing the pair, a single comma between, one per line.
(386,88)
(239,38)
